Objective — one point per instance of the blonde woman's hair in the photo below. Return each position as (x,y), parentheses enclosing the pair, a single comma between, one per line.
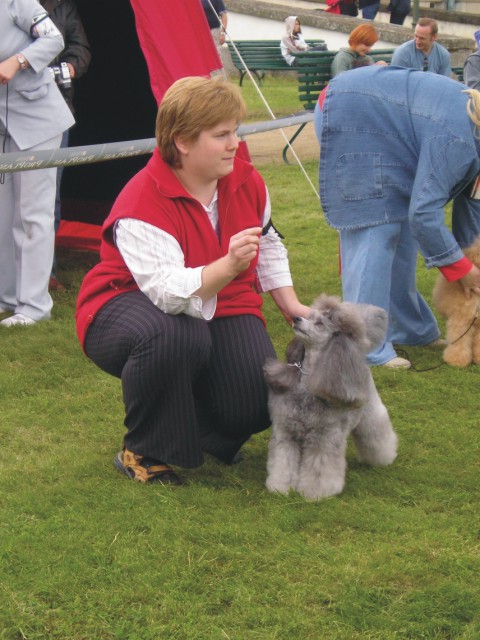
(192,105)
(473,108)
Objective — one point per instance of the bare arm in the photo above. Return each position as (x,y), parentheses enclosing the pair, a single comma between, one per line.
(286,300)
(224,21)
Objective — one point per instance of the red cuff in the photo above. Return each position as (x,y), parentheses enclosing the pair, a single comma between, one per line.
(457,270)
(321,97)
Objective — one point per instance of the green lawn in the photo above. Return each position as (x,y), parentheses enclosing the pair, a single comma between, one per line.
(88,555)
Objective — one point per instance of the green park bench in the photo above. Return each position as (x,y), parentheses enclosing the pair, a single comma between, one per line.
(458,71)
(260,56)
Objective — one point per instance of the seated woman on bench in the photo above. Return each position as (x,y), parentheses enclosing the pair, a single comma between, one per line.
(361,41)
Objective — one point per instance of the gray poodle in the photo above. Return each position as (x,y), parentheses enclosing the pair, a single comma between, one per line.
(324,392)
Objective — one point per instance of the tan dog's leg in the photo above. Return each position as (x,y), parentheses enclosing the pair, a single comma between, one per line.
(460,336)
(476,342)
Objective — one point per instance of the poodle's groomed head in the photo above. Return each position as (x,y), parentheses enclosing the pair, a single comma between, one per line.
(362,323)
(327,356)
(336,338)
(329,319)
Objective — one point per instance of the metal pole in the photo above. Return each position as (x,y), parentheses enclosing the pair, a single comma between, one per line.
(72,156)
(415,14)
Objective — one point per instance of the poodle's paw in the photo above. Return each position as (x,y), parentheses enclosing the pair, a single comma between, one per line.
(456,357)
(274,485)
(320,489)
(381,452)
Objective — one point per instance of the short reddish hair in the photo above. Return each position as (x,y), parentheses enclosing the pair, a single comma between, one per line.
(363,34)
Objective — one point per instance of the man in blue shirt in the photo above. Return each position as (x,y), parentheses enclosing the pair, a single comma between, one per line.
(423,52)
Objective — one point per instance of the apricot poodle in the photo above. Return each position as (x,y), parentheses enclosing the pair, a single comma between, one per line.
(463,323)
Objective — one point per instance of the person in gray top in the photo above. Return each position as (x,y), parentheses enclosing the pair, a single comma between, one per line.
(471,70)
(361,41)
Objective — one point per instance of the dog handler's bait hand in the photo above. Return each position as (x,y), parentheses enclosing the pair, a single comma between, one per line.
(471,282)
(243,249)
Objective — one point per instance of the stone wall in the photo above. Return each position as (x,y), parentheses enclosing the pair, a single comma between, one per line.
(458,47)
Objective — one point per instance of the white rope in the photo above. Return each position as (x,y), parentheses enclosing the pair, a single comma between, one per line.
(267,106)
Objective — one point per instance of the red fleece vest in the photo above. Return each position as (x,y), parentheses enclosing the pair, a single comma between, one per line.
(155,195)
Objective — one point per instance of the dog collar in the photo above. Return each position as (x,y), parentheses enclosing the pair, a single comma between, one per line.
(299,366)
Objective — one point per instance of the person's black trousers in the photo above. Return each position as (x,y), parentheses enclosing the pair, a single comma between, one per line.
(189,386)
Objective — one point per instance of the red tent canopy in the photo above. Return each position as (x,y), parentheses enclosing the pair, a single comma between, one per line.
(139,48)
(175,40)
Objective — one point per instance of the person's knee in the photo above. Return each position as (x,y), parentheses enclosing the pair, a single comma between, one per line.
(238,424)
(173,340)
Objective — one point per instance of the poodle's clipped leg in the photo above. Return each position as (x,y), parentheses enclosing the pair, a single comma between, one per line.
(323,466)
(459,334)
(374,437)
(282,464)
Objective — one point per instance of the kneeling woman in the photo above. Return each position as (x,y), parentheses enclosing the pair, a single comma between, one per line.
(173,308)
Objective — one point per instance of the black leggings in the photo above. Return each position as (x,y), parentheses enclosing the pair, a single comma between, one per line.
(188,385)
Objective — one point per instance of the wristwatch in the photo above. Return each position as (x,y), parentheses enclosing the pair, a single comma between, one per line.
(22,61)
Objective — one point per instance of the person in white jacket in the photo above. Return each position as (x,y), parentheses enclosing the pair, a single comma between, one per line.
(33,116)
(293,40)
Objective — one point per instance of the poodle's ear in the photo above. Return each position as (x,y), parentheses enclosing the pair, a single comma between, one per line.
(279,376)
(375,319)
(339,374)
(295,351)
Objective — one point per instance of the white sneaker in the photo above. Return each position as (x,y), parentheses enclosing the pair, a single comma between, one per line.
(396,363)
(16,320)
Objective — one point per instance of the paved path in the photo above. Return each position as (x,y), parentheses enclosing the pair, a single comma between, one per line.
(267,147)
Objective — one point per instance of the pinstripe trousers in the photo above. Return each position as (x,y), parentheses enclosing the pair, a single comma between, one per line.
(188,386)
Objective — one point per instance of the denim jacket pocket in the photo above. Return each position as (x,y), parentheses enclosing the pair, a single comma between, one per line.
(359,176)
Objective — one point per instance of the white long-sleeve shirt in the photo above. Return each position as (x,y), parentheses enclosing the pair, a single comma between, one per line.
(156,261)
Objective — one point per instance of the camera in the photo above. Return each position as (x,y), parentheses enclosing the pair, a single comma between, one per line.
(61,75)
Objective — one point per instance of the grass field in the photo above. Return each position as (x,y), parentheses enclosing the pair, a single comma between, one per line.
(86,554)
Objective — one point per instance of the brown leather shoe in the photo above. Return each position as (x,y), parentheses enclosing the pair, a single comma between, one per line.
(145,470)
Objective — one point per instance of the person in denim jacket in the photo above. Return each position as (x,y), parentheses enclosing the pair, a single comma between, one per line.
(396,146)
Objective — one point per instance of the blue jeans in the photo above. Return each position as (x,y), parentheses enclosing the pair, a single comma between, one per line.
(369,13)
(379,267)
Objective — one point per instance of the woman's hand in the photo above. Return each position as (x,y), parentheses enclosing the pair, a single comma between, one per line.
(242,249)
(288,303)
(8,68)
